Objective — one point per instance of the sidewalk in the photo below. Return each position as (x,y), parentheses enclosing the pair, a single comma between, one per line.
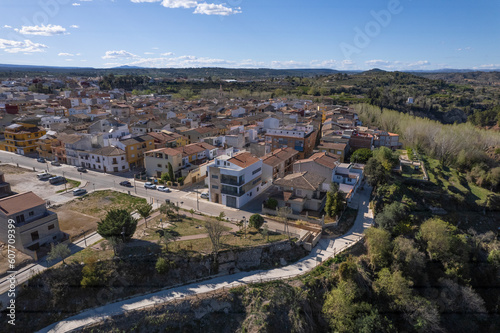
(325,249)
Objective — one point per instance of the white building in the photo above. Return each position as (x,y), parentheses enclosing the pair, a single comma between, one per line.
(108,159)
(45,122)
(234,181)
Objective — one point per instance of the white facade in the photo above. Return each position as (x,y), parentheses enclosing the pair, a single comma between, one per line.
(47,121)
(99,162)
(271,123)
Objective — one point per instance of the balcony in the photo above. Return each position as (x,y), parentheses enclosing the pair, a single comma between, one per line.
(232,191)
(232,180)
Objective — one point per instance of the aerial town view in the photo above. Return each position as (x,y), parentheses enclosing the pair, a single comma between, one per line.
(249,166)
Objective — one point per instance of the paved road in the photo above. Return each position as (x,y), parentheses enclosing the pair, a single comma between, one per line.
(93,180)
(325,249)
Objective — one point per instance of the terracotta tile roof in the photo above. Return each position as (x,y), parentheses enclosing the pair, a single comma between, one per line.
(326,159)
(137,139)
(167,151)
(19,202)
(108,151)
(329,145)
(303,180)
(244,159)
(279,155)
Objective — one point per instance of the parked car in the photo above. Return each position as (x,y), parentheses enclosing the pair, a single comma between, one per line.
(204,195)
(55,163)
(57,179)
(81,169)
(150,185)
(79,191)
(163,189)
(41,160)
(126,183)
(43,176)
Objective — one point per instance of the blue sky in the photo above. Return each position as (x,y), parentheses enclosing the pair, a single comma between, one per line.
(357,34)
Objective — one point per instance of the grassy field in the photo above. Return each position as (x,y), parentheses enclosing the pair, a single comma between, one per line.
(70,184)
(455,183)
(81,215)
(98,203)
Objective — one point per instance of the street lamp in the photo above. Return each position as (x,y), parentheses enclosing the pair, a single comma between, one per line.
(84,238)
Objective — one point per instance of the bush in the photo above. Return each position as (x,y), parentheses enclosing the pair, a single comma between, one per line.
(162,265)
(256,221)
(271,203)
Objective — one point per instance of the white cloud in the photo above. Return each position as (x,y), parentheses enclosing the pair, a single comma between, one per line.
(167,54)
(42,30)
(118,54)
(179,3)
(62,54)
(468,48)
(214,9)
(74,26)
(288,64)
(149,53)
(397,65)
(7,26)
(26,46)
(200,8)
(76,4)
(377,62)
(488,66)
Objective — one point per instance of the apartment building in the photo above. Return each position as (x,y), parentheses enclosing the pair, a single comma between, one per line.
(108,159)
(21,138)
(234,181)
(302,138)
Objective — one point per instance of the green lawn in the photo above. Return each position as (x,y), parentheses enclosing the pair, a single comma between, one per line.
(454,182)
(70,184)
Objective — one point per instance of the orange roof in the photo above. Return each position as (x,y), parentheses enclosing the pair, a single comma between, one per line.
(244,159)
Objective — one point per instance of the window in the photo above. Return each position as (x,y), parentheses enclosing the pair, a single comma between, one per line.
(133,155)
(123,167)
(20,218)
(215,187)
(31,213)
(159,165)
(215,176)
(256,181)
(123,158)
(35,236)
(132,148)
(256,171)
(51,227)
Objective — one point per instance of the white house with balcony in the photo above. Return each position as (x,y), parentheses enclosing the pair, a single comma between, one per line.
(349,177)
(235,181)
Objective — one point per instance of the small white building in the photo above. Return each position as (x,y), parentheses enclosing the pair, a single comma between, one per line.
(108,159)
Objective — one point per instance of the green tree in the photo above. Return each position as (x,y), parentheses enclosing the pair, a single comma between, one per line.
(165,178)
(361,155)
(90,273)
(144,209)
(191,211)
(436,233)
(59,251)
(117,225)
(170,172)
(379,246)
(221,217)
(271,203)
(265,232)
(256,221)
(394,285)
(166,236)
(386,157)
(375,173)
(407,258)
(391,216)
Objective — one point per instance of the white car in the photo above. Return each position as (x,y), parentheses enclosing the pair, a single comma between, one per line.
(163,189)
(204,195)
(150,185)
(79,191)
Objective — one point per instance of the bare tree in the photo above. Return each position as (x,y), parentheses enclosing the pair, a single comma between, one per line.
(59,251)
(283,213)
(215,229)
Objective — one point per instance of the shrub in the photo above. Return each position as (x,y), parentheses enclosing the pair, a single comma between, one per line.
(256,221)
(271,203)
